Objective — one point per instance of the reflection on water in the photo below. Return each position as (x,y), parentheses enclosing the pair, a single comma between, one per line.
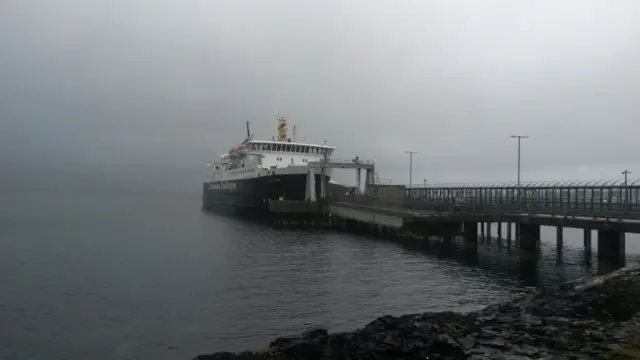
(151,276)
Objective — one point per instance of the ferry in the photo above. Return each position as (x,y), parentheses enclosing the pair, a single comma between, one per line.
(254,171)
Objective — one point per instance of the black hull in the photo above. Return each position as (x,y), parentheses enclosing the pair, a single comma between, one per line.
(250,196)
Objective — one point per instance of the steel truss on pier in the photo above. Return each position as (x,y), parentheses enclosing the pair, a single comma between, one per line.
(587,195)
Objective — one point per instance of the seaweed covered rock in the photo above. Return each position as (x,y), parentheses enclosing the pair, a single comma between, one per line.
(587,318)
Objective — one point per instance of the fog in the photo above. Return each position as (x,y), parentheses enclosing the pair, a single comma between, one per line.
(126,91)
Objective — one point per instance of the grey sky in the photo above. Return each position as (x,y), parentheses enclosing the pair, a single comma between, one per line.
(158,86)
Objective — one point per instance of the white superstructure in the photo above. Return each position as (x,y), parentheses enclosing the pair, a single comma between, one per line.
(279,156)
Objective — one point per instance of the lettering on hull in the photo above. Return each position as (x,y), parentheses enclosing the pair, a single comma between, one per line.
(223,186)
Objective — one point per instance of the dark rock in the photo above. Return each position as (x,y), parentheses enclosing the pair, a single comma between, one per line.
(247,355)
(467,342)
(509,357)
(583,319)
(524,350)
(497,343)
(446,346)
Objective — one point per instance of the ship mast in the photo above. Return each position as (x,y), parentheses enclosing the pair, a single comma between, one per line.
(282,128)
(248,133)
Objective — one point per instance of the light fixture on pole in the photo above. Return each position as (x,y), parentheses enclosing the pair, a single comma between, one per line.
(626,188)
(519,137)
(410,168)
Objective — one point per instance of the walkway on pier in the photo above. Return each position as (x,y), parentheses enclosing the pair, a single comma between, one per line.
(612,208)
(600,196)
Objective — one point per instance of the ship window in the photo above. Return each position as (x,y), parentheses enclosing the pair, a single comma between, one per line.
(279,147)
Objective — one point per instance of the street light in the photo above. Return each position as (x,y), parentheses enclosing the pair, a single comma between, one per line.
(626,188)
(519,137)
(410,168)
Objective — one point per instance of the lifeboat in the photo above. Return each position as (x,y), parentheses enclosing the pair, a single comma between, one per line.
(238,148)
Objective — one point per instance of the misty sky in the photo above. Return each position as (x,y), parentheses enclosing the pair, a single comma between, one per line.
(157,88)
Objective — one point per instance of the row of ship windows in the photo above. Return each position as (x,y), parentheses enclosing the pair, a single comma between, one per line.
(235,169)
(303,149)
(280,159)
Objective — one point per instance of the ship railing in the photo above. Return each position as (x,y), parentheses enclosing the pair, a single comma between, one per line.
(351,161)
(479,207)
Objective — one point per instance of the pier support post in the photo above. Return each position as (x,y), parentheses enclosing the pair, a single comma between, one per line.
(368,180)
(482,230)
(447,240)
(559,235)
(358,175)
(529,236)
(559,243)
(310,194)
(587,240)
(470,234)
(488,233)
(499,230)
(611,247)
(517,237)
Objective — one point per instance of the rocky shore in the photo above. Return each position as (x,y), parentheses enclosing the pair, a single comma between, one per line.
(594,318)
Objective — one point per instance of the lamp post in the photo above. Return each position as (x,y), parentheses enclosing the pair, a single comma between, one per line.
(519,137)
(626,189)
(410,169)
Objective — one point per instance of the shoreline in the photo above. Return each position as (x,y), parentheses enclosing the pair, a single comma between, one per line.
(587,318)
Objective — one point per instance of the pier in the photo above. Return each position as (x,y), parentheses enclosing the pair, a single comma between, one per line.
(611,209)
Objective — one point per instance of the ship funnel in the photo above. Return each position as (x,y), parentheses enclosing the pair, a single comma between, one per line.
(282,128)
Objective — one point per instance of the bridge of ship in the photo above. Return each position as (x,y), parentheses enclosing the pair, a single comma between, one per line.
(570,195)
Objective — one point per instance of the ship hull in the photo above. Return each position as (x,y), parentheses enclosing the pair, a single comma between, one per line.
(250,196)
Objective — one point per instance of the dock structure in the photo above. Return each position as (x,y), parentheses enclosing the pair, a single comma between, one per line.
(612,208)
(321,166)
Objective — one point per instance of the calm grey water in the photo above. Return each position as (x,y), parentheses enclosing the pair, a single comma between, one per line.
(148,275)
